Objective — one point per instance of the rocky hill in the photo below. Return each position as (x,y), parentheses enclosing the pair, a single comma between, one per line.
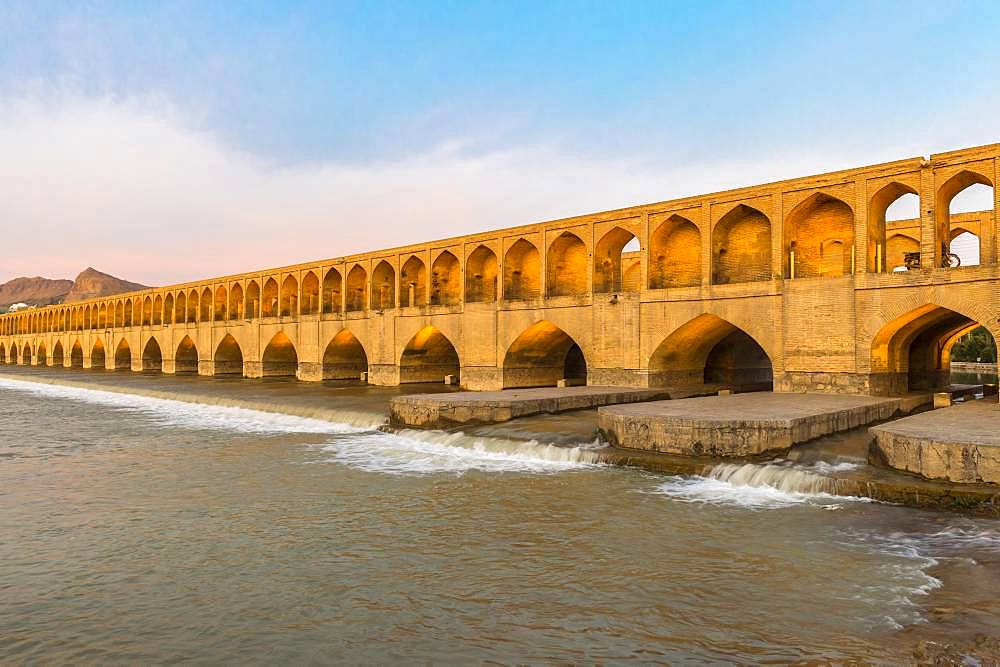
(44,291)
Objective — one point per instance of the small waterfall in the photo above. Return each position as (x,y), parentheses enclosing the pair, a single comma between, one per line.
(785,477)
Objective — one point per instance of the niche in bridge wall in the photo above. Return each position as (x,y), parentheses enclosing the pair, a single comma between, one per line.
(413,283)
(481,276)
(310,303)
(741,247)
(675,254)
(446,280)
(236,301)
(253,300)
(383,286)
(819,238)
(616,262)
(566,266)
(357,288)
(333,292)
(522,272)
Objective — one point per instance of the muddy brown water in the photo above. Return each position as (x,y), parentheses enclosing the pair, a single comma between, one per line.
(140,529)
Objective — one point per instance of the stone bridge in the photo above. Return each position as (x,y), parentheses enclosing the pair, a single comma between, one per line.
(800,284)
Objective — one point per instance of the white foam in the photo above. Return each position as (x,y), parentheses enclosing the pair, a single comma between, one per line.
(183,414)
(424,452)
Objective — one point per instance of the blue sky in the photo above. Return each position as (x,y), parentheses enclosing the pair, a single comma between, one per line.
(312,116)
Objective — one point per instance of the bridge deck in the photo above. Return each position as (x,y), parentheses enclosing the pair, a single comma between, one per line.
(960,443)
(741,424)
(488,407)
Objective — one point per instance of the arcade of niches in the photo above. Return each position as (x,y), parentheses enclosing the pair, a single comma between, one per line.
(808,284)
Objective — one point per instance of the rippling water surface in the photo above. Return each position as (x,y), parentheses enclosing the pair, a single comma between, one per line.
(139,529)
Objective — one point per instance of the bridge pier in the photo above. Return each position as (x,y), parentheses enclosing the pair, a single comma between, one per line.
(309,371)
(383,375)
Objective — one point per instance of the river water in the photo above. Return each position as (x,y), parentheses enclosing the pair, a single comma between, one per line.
(138,529)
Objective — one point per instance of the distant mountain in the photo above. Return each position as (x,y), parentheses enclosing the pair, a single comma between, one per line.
(92,283)
(35,291)
(44,291)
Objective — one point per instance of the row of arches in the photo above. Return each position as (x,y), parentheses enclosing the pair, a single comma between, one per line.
(910,352)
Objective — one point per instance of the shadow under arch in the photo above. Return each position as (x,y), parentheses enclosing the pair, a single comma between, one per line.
(344,358)
(123,356)
(228,358)
(912,352)
(709,350)
(186,358)
(152,356)
(280,358)
(543,355)
(58,356)
(98,356)
(428,357)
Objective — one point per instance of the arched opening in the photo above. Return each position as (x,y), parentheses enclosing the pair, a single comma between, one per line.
(12,355)
(123,356)
(542,356)
(675,254)
(819,238)
(428,357)
(147,312)
(137,312)
(253,300)
(357,288)
(741,247)
(26,355)
(310,294)
(205,312)
(192,306)
(40,356)
(333,287)
(168,309)
(344,358)
(383,286)
(446,280)
(712,353)
(913,351)
(152,357)
(221,303)
(102,318)
(566,266)
(481,276)
(58,356)
(269,299)
(964,193)
(228,357)
(413,283)
(180,308)
(899,204)
(128,313)
(611,261)
(280,358)
(236,302)
(3,350)
(522,272)
(289,297)
(119,317)
(186,358)
(98,356)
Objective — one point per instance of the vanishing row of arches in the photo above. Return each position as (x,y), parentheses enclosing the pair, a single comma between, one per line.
(818,240)
(911,352)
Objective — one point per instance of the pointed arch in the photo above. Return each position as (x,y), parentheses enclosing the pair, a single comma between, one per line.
(344,358)
(128,312)
(946,194)
(98,355)
(180,308)
(741,246)
(541,356)
(413,283)
(221,304)
(3,352)
(333,292)
(253,300)
(192,306)
(819,238)
(206,305)
(481,276)
(708,350)
(168,309)
(522,272)
(566,266)
(383,286)
(41,358)
(236,302)
(357,288)
(186,356)
(269,299)
(309,303)
(428,357)
(58,356)
(280,357)
(158,310)
(446,280)
(12,357)
(675,254)
(26,354)
(152,356)
(290,297)
(608,267)
(147,311)
(123,356)
(881,256)
(228,357)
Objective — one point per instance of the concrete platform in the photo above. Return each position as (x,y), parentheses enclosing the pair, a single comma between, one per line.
(960,443)
(740,425)
(490,407)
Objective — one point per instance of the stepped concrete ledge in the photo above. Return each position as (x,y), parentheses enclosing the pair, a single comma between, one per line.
(489,407)
(740,425)
(960,443)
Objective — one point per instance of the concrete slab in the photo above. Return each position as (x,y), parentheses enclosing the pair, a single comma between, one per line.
(960,443)
(740,425)
(490,407)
